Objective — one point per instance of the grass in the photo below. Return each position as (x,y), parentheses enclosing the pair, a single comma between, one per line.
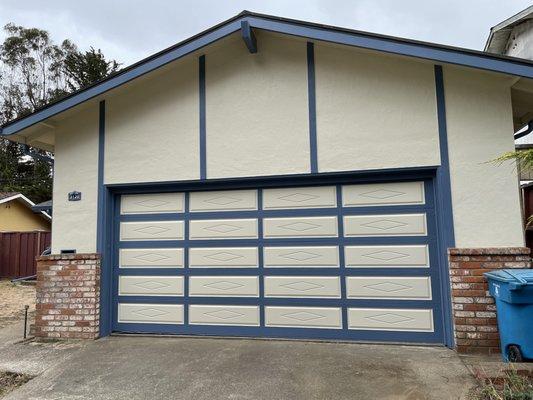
(10,381)
(512,386)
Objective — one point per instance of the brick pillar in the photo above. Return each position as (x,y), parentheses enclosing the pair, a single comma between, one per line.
(474,311)
(68,296)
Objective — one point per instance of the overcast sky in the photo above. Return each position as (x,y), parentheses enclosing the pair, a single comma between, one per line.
(129,30)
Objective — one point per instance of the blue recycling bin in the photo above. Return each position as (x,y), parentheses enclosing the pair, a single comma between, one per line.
(513,292)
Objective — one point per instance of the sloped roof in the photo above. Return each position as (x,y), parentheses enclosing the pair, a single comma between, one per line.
(311,31)
(6,197)
(500,34)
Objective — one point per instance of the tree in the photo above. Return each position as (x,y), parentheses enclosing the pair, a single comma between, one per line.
(33,72)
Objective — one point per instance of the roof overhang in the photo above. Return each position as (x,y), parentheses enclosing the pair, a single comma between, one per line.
(246,22)
(500,34)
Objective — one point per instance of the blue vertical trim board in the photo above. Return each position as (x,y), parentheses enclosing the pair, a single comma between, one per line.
(103,233)
(436,337)
(311,95)
(203,134)
(444,204)
(261,262)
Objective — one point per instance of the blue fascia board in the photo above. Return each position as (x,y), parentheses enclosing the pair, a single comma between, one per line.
(116,81)
(307,30)
(399,47)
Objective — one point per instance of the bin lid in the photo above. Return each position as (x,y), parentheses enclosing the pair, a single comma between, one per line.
(520,276)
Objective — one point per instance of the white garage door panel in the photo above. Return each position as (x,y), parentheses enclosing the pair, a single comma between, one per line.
(409,288)
(300,227)
(390,319)
(304,317)
(379,194)
(282,262)
(151,258)
(306,197)
(387,256)
(150,286)
(150,313)
(152,203)
(224,286)
(301,256)
(385,225)
(152,230)
(224,315)
(223,229)
(228,257)
(230,200)
(303,286)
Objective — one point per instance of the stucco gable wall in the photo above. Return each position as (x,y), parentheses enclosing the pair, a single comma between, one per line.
(485,195)
(373,110)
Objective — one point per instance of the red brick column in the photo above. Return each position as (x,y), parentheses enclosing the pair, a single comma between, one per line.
(474,311)
(68,296)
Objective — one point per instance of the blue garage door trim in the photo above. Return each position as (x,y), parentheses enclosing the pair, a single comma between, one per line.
(435,272)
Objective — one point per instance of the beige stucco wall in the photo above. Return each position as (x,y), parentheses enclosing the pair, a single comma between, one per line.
(374,111)
(485,195)
(256,112)
(76,168)
(18,217)
(152,127)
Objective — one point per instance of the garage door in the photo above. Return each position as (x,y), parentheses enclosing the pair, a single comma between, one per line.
(351,262)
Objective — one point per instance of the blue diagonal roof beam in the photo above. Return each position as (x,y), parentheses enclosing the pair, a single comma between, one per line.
(311,31)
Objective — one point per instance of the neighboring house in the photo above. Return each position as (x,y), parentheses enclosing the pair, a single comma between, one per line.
(514,37)
(278,178)
(16,214)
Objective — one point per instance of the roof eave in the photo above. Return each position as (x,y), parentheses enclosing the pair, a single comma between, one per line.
(313,31)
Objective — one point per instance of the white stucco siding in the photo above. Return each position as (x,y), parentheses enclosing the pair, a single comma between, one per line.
(152,127)
(485,195)
(257,108)
(76,169)
(374,111)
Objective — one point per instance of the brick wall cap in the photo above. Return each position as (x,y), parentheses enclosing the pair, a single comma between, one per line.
(499,251)
(76,256)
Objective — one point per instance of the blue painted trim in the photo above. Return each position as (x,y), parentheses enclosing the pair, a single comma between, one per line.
(342,272)
(393,45)
(248,37)
(311,95)
(446,54)
(103,229)
(443,198)
(101,190)
(377,175)
(142,67)
(203,133)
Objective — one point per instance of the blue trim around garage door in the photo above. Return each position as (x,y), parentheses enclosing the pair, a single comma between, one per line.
(443,196)
(438,284)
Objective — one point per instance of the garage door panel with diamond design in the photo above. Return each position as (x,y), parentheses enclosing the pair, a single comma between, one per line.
(339,261)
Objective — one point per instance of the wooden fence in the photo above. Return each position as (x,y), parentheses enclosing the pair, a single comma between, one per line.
(18,251)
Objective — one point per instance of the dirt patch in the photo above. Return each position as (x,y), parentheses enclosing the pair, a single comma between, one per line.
(10,381)
(14,298)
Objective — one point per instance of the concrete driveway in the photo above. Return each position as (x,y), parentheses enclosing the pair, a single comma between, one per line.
(200,368)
